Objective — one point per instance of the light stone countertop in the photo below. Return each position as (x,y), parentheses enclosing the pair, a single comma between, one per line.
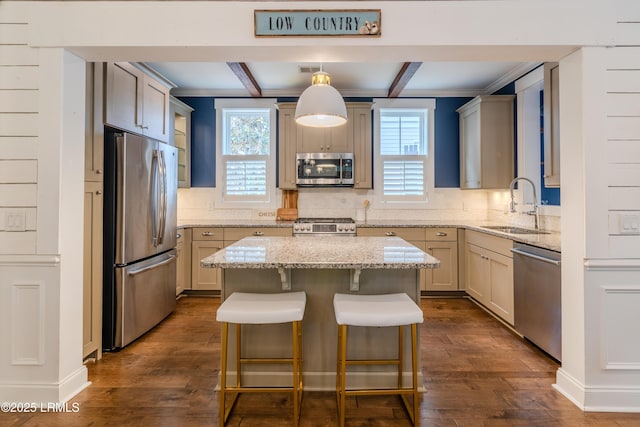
(321,252)
(549,240)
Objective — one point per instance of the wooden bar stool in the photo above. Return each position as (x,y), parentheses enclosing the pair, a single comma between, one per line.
(249,308)
(377,311)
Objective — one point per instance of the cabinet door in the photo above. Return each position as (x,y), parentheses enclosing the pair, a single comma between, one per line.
(551,125)
(313,139)
(477,273)
(203,278)
(155,110)
(360,121)
(340,139)
(180,133)
(92,270)
(444,278)
(470,150)
(123,100)
(94,134)
(501,280)
(180,264)
(287,140)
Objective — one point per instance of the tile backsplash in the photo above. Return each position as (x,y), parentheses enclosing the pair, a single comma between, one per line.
(444,204)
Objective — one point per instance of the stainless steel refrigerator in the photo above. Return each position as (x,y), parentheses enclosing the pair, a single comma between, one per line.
(139,287)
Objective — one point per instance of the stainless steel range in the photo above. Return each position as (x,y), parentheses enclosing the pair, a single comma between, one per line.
(324,227)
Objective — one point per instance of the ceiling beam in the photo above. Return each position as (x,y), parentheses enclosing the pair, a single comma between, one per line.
(243,73)
(404,75)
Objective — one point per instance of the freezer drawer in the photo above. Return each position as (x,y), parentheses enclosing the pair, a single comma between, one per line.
(145,295)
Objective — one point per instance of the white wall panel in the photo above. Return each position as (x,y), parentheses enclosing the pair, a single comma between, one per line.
(625,81)
(18,171)
(18,124)
(627,34)
(29,213)
(624,175)
(18,101)
(627,10)
(19,77)
(620,308)
(27,323)
(13,33)
(624,247)
(18,55)
(623,104)
(13,147)
(624,198)
(627,58)
(23,242)
(18,195)
(623,127)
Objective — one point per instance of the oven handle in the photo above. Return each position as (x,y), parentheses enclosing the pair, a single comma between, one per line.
(536,257)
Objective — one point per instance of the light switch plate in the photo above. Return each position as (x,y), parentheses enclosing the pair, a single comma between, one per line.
(629,224)
(15,221)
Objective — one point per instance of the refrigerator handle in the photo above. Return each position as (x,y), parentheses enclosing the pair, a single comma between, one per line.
(154,210)
(163,198)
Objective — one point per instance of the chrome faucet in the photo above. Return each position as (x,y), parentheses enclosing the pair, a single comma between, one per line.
(512,205)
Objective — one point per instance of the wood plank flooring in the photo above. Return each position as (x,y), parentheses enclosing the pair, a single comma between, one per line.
(477,373)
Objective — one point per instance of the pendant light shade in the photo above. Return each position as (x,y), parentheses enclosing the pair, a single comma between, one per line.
(321,105)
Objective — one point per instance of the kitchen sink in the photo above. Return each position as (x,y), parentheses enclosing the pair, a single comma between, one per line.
(514,230)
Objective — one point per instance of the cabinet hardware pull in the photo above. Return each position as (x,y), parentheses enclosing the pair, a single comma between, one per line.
(258,233)
(441,234)
(98,171)
(430,249)
(390,233)
(178,235)
(207,233)
(98,192)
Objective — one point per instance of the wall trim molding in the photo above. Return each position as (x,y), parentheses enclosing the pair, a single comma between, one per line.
(29,260)
(54,392)
(612,264)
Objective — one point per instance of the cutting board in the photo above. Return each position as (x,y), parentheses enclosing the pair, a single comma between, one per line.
(289,209)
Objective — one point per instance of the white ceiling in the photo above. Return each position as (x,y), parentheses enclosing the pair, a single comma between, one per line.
(461,78)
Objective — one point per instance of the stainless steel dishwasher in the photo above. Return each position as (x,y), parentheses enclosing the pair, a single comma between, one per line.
(537,297)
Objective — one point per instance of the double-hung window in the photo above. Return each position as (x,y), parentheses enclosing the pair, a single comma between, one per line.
(403,136)
(245,135)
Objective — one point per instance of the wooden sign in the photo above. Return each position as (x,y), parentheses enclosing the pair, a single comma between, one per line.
(317,23)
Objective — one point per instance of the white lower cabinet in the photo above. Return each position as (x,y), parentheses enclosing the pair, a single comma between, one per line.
(205,241)
(489,273)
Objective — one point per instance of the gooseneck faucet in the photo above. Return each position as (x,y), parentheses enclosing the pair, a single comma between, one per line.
(512,204)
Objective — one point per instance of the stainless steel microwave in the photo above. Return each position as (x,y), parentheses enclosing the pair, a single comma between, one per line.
(324,169)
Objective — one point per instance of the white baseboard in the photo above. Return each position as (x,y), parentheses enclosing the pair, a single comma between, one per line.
(60,392)
(598,398)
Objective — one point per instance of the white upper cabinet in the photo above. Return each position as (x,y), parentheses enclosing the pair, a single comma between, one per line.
(136,102)
(486,142)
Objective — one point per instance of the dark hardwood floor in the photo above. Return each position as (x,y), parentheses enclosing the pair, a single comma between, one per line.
(477,373)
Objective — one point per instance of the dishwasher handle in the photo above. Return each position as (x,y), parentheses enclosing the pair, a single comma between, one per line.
(537,257)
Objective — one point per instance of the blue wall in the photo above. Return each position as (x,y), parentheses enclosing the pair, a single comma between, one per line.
(203,141)
(203,136)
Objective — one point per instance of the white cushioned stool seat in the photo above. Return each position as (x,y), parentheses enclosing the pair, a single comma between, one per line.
(251,308)
(376,310)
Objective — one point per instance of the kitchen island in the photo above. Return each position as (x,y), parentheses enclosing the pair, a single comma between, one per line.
(322,266)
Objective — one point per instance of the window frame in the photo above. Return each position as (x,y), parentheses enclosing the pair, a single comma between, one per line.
(404,202)
(222,200)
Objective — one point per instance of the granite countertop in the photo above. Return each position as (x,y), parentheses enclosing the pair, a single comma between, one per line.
(321,252)
(549,240)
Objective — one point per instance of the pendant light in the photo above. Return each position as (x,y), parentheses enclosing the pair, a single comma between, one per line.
(321,105)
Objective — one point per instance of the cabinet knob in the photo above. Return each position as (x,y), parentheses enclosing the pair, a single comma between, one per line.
(207,233)
(441,234)
(99,171)
(258,233)
(390,233)
(178,235)
(99,192)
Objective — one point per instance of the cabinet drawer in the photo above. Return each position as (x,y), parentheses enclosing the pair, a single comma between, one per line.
(208,233)
(406,233)
(442,234)
(492,243)
(237,233)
